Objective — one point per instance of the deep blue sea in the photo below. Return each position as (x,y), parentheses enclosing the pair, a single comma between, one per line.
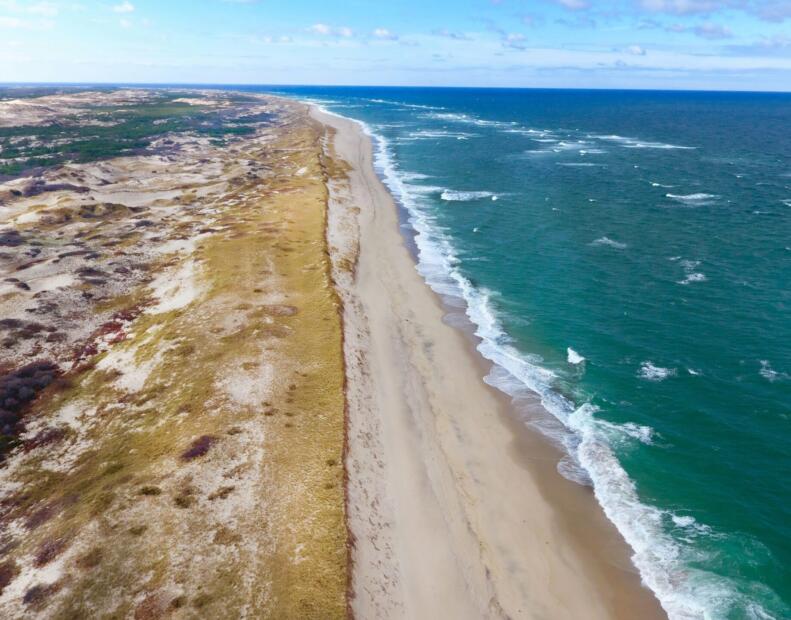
(627,256)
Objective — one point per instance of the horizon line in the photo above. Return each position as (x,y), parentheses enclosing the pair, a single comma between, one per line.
(514,88)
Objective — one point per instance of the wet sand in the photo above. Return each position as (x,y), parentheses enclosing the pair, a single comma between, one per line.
(455,506)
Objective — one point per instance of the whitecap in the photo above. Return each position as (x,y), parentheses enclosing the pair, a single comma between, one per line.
(414,176)
(699,198)
(651,372)
(454,196)
(643,434)
(689,267)
(693,277)
(622,434)
(787,202)
(405,105)
(636,143)
(683,521)
(769,373)
(428,134)
(423,189)
(572,357)
(618,245)
(467,119)
(579,164)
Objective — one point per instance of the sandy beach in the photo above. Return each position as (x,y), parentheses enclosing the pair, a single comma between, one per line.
(456,509)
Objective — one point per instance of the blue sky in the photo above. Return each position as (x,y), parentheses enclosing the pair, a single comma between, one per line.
(708,44)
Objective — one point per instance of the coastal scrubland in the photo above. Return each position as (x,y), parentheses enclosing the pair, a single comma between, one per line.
(171,374)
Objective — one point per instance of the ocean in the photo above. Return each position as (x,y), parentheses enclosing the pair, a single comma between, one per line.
(626,256)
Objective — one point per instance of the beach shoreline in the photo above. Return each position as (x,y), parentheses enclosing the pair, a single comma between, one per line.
(432,453)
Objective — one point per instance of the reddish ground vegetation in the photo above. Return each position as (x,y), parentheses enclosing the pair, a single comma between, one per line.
(150,608)
(111,332)
(48,551)
(18,388)
(37,596)
(45,437)
(8,572)
(199,447)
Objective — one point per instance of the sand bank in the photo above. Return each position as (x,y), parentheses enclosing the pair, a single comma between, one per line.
(456,508)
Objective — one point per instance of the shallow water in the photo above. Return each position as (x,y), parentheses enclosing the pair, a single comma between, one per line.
(627,256)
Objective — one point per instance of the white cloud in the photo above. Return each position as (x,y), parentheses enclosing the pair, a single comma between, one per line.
(713,31)
(124,7)
(636,50)
(682,7)
(125,23)
(384,33)
(320,29)
(456,36)
(325,30)
(707,30)
(10,22)
(514,40)
(270,39)
(45,9)
(574,5)
(16,23)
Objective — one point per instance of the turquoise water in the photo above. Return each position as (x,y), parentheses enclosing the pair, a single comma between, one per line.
(627,256)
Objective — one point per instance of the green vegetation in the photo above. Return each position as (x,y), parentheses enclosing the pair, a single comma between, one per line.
(123,130)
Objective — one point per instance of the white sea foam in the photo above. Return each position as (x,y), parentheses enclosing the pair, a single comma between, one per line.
(686,593)
(620,434)
(683,521)
(579,164)
(402,104)
(423,189)
(453,196)
(572,357)
(655,184)
(699,198)
(581,147)
(770,374)
(693,277)
(468,120)
(414,176)
(428,134)
(787,202)
(606,241)
(651,372)
(636,143)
